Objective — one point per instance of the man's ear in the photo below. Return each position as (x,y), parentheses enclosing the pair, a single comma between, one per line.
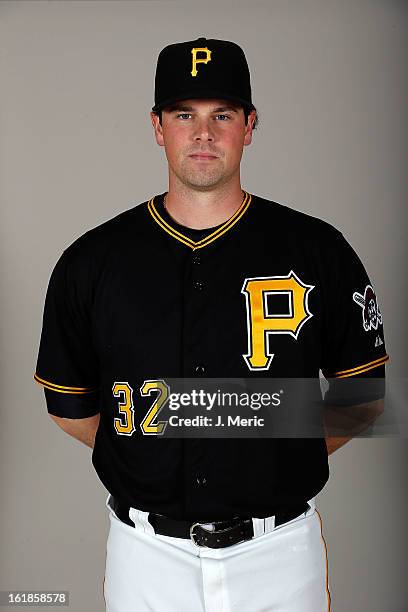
(158,129)
(249,128)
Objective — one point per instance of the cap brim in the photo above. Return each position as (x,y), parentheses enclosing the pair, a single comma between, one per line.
(204,95)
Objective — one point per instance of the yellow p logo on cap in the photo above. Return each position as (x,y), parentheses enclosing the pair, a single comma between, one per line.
(200,60)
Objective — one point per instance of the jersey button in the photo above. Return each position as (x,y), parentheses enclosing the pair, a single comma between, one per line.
(199,369)
(201,480)
(198,285)
(196,259)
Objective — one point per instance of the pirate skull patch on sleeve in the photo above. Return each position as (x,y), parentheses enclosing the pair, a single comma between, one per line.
(370,311)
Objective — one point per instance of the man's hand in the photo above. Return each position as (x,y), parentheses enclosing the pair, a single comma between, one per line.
(83,430)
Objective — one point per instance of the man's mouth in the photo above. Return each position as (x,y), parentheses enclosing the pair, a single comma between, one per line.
(203,156)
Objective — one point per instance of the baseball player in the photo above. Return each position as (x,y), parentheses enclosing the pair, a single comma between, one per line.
(205,280)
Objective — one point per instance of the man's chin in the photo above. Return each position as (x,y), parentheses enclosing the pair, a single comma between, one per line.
(203,182)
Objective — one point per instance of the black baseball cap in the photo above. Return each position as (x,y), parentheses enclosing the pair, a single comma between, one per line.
(202,68)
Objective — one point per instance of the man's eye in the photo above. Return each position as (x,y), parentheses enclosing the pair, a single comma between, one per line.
(189,114)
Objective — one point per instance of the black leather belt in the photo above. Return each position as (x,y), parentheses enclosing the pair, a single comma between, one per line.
(225,533)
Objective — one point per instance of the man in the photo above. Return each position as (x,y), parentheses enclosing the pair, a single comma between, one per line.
(205,281)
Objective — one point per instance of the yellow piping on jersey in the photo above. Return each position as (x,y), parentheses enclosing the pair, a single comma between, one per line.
(62,388)
(211,237)
(360,369)
(327,562)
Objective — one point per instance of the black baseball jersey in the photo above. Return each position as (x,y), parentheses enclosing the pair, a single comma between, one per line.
(272,292)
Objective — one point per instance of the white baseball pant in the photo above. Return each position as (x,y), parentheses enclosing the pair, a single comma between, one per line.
(282,569)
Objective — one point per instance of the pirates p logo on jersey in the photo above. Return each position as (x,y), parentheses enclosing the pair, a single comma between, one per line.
(261,324)
(372,317)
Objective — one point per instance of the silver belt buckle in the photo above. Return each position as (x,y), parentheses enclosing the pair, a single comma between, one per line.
(215,523)
(192,535)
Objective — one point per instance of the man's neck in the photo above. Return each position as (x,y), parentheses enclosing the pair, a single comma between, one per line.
(200,210)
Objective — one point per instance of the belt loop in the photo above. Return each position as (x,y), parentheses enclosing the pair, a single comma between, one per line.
(141,520)
(269,524)
(258,526)
(263,525)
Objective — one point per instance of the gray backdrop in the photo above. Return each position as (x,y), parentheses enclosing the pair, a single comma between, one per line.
(77,147)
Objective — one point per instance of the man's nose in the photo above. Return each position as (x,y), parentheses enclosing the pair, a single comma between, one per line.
(203,130)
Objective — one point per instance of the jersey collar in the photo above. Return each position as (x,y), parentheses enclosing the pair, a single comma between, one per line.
(220,231)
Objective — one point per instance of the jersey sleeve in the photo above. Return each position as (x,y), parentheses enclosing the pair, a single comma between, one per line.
(353,343)
(67,365)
